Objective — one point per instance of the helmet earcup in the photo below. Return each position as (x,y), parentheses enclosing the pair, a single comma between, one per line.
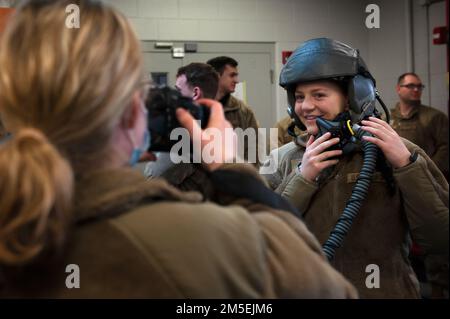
(361,95)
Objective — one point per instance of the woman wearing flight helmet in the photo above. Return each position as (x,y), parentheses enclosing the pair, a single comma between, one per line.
(389,185)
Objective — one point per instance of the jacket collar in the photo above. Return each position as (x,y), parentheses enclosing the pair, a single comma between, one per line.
(230,103)
(110,192)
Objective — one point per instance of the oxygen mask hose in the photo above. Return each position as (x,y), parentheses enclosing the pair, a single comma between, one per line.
(359,194)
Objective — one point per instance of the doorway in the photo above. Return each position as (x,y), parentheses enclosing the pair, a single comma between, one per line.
(256,65)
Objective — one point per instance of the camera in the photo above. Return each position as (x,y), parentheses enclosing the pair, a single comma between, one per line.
(162,103)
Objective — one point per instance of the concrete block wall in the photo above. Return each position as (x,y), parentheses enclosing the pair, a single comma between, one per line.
(286,23)
(432,66)
(5,3)
(388,54)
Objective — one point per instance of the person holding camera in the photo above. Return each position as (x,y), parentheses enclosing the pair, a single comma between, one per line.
(77,221)
(426,127)
(362,190)
(195,81)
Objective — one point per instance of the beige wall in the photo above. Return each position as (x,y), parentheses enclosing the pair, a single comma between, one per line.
(289,22)
(389,54)
(286,23)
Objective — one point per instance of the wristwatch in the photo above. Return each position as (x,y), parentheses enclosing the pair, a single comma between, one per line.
(413,157)
(297,171)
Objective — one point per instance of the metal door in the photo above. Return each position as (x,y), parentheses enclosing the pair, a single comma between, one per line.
(256,62)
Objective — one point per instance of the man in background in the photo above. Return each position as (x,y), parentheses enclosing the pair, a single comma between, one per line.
(426,127)
(236,111)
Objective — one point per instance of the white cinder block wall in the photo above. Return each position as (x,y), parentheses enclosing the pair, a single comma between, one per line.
(430,60)
(389,55)
(287,23)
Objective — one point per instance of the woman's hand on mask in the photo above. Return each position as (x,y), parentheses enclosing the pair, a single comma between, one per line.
(316,158)
(218,141)
(387,139)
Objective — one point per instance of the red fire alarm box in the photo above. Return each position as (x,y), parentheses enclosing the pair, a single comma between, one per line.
(440,35)
(285,55)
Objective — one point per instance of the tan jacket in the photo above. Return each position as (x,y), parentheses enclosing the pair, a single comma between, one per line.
(240,115)
(380,232)
(136,238)
(426,127)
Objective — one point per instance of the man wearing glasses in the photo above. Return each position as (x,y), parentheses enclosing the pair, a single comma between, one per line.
(428,128)
(425,126)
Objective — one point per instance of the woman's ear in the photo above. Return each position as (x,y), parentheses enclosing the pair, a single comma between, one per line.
(131,114)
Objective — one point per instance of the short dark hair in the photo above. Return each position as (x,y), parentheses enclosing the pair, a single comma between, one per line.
(203,76)
(220,62)
(402,77)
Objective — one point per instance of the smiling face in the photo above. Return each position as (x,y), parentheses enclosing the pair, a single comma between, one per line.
(410,90)
(318,99)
